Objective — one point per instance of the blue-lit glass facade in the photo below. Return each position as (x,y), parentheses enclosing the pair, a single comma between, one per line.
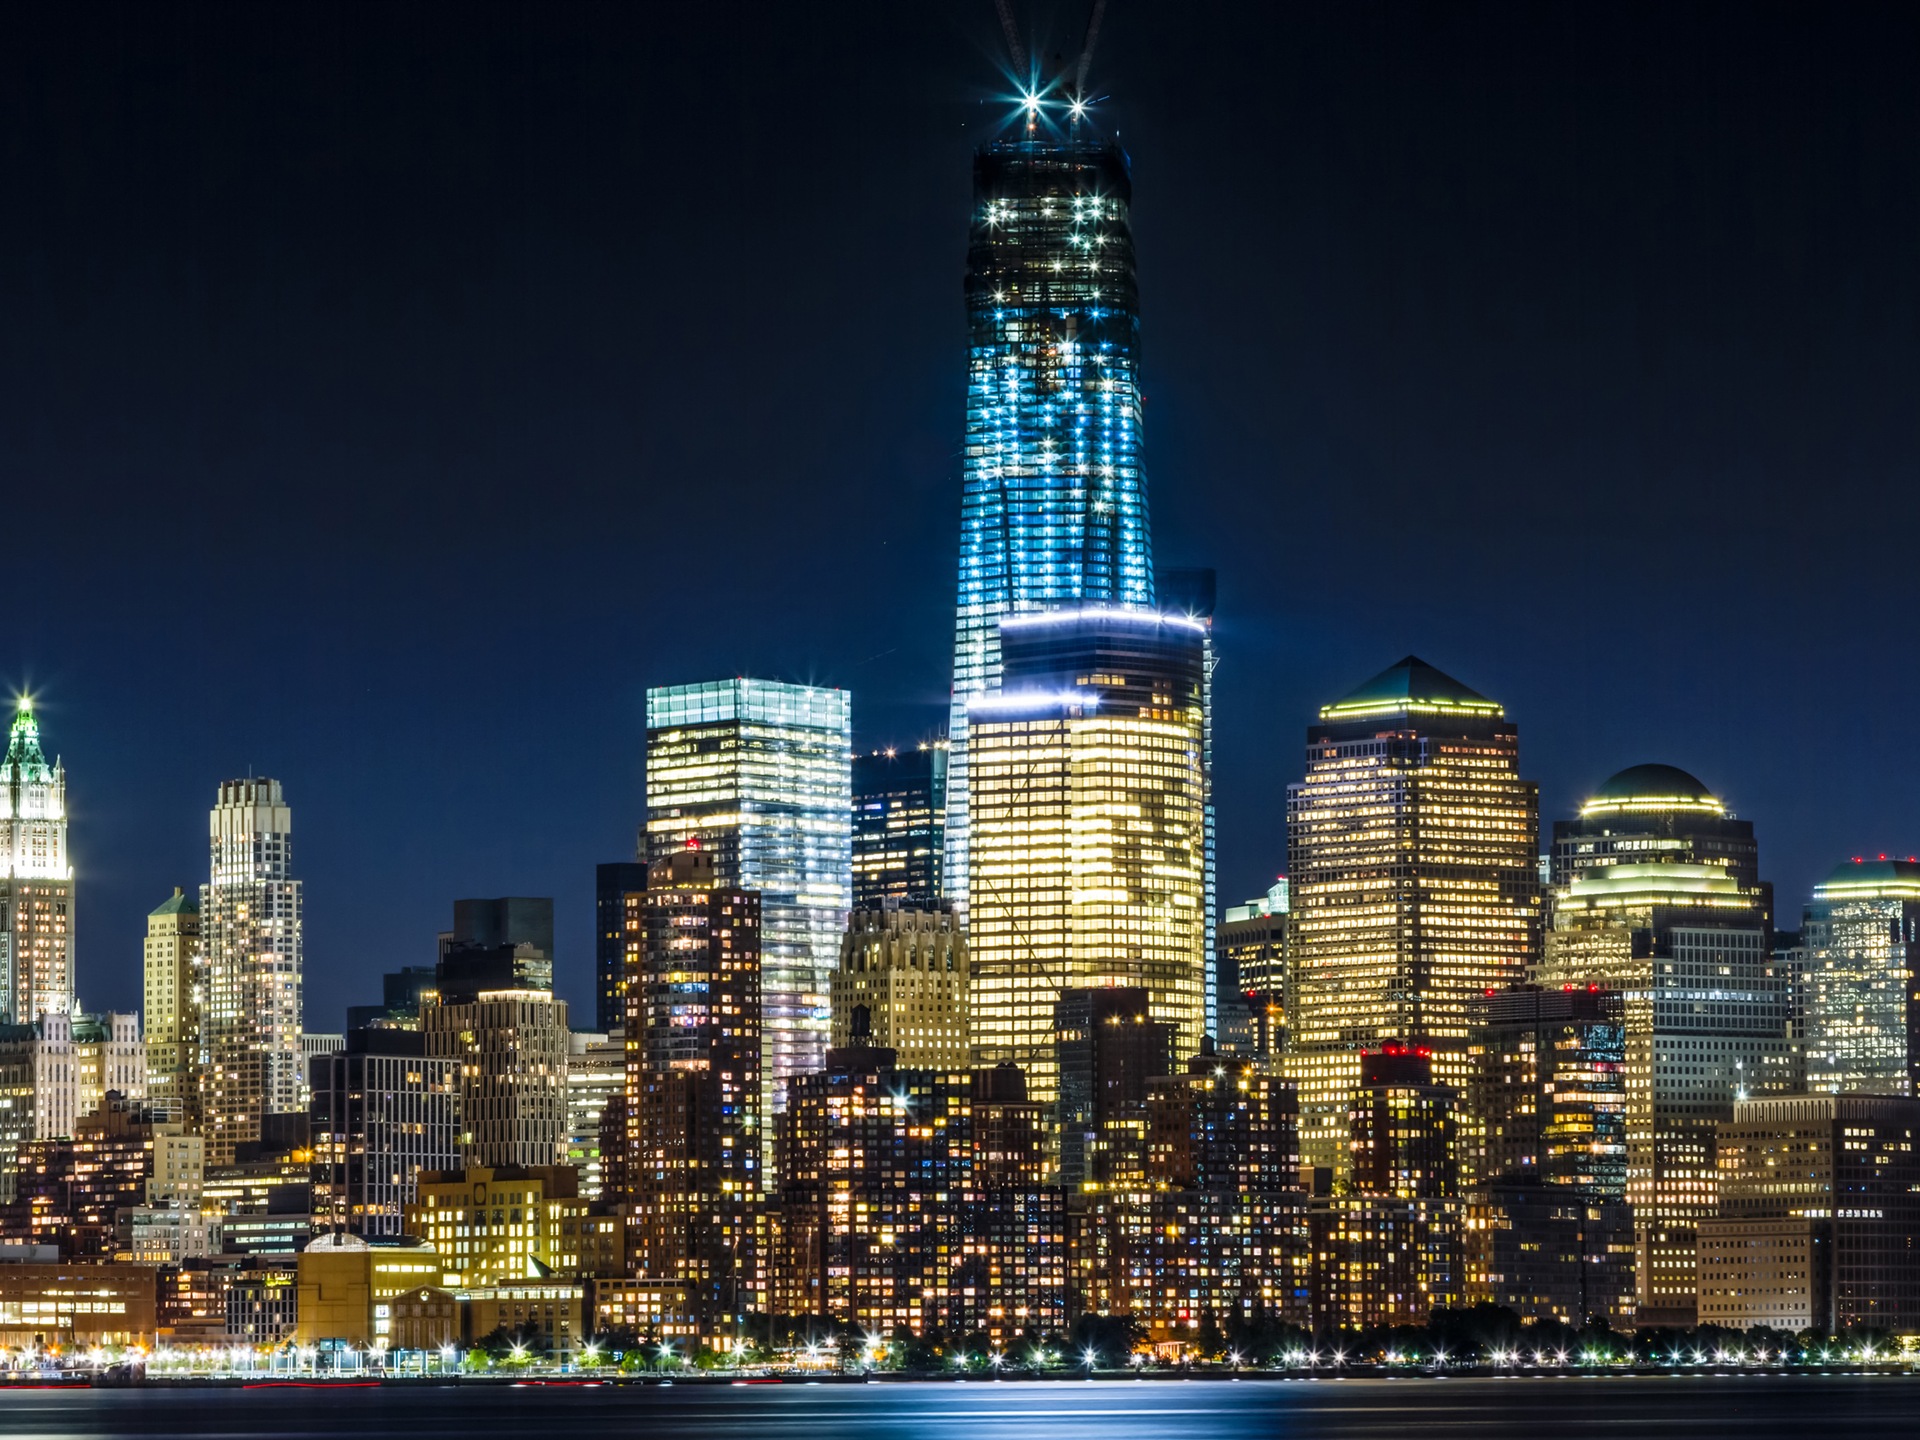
(1055,501)
(758,772)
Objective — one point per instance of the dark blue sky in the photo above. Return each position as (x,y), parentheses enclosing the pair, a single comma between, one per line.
(388,395)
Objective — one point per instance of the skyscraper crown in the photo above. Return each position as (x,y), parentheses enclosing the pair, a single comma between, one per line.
(1411,687)
(24,756)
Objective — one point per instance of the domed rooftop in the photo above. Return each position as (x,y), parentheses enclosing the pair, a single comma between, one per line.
(1863,879)
(1652,788)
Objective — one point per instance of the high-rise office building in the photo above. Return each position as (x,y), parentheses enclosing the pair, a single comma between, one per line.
(1252,964)
(613,882)
(508,920)
(596,1080)
(36,878)
(250,924)
(902,986)
(756,773)
(382,1110)
(1658,896)
(1549,1234)
(176,982)
(1819,1205)
(1414,883)
(1189,592)
(1089,813)
(1109,1050)
(1387,1243)
(494,1014)
(693,1088)
(899,825)
(1860,978)
(1054,505)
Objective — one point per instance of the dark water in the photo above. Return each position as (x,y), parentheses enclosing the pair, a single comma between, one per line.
(1618,1408)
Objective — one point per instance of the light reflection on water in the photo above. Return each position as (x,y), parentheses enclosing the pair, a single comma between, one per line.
(1755,1407)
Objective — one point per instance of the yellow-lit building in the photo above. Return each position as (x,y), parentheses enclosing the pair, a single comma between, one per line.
(492,1227)
(1087,816)
(644,1307)
(347,1287)
(175,967)
(903,976)
(1414,885)
(1657,895)
(75,1306)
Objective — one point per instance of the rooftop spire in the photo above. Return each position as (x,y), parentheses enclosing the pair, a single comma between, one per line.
(23,743)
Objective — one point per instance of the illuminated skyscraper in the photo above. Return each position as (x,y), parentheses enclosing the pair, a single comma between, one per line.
(899,826)
(1414,883)
(250,923)
(176,980)
(902,986)
(1054,507)
(693,1089)
(1658,896)
(756,773)
(36,880)
(613,882)
(1089,809)
(1862,978)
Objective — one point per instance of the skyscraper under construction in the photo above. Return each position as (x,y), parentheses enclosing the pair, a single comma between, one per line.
(1055,502)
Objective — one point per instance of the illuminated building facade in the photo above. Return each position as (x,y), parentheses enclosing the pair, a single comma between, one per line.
(1819,1206)
(902,986)
(36,878)
(1414,882)
(693,1089)
(492,1225)
(897,1212)
(58,1070)
(1386,1244)
(1054,502)
(175,974)
(381,1111)
(494,1015)
(1658,897)
(1109,1051)
(70,1191)
(899,826)
(757,773)
(1253,966)
(612,884)
(1861,978)
(250,924)
(1089,816)
(596,1080)
(1548,1232)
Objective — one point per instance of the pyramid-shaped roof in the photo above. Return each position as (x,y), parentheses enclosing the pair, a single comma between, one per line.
(24,756)
(1411,687)
(180,904)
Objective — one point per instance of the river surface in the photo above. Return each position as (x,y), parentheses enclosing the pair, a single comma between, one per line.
(1752,1407)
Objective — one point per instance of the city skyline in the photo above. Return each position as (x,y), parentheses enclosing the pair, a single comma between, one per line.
(394,755)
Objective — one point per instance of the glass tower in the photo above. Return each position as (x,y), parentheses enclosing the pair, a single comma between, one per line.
(1090,805)
(899,825)
(1862,940)
(1054,508)
(758,773)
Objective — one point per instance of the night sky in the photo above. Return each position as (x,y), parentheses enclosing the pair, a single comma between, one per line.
(388,395)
